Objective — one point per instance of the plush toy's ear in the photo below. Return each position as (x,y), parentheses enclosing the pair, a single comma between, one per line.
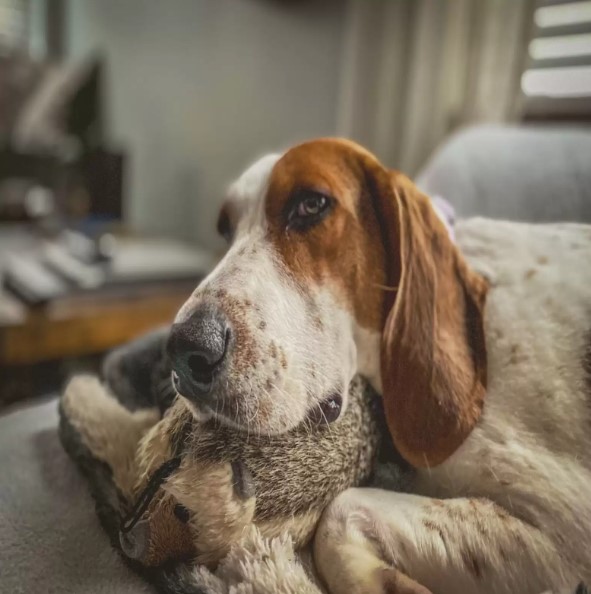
(433,357)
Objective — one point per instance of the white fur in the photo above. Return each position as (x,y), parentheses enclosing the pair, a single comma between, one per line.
(513,512)
(246,196)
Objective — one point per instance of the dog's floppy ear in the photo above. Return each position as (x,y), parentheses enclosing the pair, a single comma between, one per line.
(433,354)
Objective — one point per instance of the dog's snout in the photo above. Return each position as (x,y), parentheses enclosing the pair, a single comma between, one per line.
(197,349)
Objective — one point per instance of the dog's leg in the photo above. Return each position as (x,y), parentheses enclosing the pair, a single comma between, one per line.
(374,541)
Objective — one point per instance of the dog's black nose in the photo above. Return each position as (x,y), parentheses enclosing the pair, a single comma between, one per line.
(197,349)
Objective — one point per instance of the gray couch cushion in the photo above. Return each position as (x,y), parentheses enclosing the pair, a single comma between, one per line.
(536,174)
(50,538)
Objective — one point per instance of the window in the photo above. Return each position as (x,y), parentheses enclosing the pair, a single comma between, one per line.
(557,81)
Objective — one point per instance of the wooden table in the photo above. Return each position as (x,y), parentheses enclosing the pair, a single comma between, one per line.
(40,347)
(83,323)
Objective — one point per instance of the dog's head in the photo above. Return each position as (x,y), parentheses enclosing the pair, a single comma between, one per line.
(332,260)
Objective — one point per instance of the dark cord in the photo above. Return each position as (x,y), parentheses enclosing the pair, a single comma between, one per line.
(146,496)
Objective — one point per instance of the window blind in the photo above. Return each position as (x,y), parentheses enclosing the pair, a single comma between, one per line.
(558,77)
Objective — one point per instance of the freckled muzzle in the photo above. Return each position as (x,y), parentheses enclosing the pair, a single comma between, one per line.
(239,360)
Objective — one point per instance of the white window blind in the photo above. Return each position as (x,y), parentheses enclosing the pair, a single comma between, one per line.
(13,24)
(557,80)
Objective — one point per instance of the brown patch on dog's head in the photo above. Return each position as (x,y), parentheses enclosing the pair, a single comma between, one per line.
(340,252)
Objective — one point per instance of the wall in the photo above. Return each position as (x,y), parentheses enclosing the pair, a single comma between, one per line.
(197,89)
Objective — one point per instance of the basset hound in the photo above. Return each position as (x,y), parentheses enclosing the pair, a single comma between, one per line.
(480,349)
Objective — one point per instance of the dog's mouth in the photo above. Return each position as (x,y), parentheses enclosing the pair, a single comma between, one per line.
(327,411)
(235,411)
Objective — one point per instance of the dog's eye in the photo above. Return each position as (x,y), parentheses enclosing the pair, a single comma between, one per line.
(312,206)
(309,208)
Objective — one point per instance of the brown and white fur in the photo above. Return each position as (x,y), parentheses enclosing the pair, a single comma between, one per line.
(484,370)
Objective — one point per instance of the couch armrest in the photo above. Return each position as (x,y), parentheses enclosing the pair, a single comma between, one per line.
(522,173)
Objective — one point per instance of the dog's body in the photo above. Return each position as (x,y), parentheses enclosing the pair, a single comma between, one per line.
(507,512)
(490,404)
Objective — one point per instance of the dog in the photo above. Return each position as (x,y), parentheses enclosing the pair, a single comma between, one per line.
(481,351)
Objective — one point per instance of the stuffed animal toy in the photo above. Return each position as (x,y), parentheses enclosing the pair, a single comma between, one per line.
(170,489)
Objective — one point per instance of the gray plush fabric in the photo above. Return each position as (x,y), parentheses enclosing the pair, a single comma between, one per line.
(50,538)
(531,174)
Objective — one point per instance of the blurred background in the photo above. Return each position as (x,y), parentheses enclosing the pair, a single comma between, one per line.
(122,121)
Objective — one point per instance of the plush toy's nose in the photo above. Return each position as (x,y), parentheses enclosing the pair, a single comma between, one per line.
(135,542)
(197,349)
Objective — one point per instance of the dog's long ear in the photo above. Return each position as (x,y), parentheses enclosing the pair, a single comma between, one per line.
(433,357)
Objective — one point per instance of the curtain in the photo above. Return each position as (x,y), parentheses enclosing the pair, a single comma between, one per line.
(415,70)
